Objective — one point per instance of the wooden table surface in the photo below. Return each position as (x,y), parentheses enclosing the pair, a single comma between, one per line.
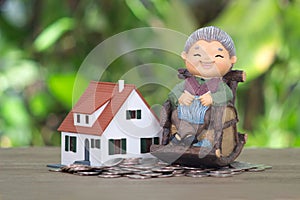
(24,175)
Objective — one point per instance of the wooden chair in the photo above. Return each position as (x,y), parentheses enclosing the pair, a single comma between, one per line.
(220,129)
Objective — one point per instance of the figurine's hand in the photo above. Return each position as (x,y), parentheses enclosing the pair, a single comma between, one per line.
(244,76)
(186,98)
(206,99)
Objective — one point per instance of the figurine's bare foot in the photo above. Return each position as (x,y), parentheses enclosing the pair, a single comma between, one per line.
(218,153)
(188,140)
(175,139)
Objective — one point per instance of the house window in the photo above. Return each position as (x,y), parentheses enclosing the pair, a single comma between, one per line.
(92,143)
(95,143)
(133,114)
(73,144)
(78,118)
(156,140)
(139,114)
(147,142)
(117,146)
(70,143)
(145,145)
(130,114)
(67,140)
(87,119)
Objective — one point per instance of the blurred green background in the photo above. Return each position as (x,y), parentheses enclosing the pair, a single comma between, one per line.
(43,43)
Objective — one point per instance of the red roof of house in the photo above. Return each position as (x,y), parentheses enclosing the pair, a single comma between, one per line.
(95,96)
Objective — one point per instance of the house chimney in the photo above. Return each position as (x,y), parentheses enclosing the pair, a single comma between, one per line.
(121,85)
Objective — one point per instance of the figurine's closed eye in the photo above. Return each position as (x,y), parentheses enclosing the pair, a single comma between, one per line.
(220,56)
(197,54)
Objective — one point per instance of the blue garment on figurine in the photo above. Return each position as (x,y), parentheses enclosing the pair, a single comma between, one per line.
(193,113)
(203,143)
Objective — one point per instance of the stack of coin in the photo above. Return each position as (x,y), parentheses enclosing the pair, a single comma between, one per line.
(82,170)
(137,168)
(223,173)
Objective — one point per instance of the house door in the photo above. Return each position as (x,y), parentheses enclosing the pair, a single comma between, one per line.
(86,150)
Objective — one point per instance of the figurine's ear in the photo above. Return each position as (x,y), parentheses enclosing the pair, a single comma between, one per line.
(183,55)
(233,59)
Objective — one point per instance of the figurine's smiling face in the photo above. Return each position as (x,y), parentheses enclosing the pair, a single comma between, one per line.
(208,59)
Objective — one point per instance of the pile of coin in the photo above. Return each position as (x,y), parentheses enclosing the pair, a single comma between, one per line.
(138,168)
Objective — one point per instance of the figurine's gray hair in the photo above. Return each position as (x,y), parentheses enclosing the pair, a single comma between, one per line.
(211,33)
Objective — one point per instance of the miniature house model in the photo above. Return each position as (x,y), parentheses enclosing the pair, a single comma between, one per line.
(110,120)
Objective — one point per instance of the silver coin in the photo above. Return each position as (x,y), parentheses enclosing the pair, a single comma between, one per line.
(111,173)
(143,167)
(264,166)
(197,171)
(162,170)
(221,172)
(237,173)
(173,167)
(176,165)
(236,170)
(178,171)
(258,169)
(87,173)
(75,168)
(243,165)
(200,175)
(99,168)
(191,168)
(165,176)
(123,172)
(109,176)
(136,176)
(144,172)
(55,170)
(131,169)
(151,174)
(267,166)
(220,175)
(65,168)
(78,169)
(116,168)
(179,175)
(222,168)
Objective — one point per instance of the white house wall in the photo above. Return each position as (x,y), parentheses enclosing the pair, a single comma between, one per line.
(68,157)
(147,126)
(132,130)
(132,149)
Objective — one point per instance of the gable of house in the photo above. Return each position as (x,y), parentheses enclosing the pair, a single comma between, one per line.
(97,107)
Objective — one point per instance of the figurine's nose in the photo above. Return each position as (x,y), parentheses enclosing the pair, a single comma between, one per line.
(206,58)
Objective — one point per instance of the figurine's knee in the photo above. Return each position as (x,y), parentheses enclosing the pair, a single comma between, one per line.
(207,118)
(174,119)
(184,128)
